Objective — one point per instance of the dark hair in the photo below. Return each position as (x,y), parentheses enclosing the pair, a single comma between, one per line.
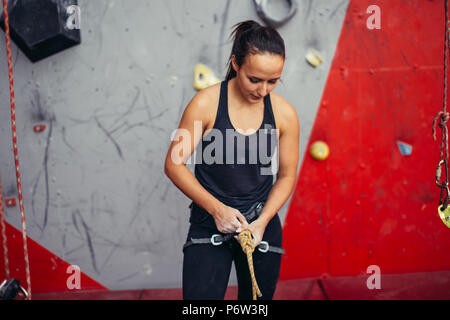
(251,37)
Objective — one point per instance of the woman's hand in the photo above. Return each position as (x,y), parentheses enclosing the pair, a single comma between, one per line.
(229,220)
(257,229)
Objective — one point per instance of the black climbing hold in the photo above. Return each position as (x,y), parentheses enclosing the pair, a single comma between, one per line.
(41,28)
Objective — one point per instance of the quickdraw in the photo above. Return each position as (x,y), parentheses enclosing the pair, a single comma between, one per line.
(441,119)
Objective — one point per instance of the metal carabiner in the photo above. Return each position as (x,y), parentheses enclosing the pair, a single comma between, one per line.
(24,292)
(439,173)
(444,184)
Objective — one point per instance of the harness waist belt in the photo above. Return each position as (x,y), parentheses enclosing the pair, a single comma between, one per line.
(218,239)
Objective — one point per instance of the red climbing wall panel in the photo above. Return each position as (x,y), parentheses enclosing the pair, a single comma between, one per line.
(49,273)
(367,203)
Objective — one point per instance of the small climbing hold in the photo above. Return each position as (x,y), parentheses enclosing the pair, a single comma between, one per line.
(319,150)
(405,148)
(204,77)
(313,58)
(39,128)
(11,202)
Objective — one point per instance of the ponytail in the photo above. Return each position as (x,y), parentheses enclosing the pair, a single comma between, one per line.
(249,37)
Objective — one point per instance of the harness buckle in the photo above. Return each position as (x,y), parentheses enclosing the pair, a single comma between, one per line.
(214,242)
(266,246)
(259,206)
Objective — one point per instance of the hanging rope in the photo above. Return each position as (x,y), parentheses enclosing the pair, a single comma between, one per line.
(441,120)
(3,227)
(14,140)
(443,115)
(245,239)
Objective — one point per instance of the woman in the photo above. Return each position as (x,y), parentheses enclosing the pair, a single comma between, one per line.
(234,193)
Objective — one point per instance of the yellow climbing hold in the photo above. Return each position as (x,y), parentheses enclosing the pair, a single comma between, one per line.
(445,215)
(319,150)
(313,58)
(204,77)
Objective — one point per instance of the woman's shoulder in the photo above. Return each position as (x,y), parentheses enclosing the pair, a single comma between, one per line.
(209,95)
(284,113)
(203,106)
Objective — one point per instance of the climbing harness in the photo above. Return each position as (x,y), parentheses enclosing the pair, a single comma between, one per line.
(16,152)
(218,239)
(441,119)
(261,10)
(245,240)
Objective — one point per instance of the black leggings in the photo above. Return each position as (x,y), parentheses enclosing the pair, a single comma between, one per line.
(206,268)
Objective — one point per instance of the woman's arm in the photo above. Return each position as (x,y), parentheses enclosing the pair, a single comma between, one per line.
(193,123)
(288,151)
(183,144)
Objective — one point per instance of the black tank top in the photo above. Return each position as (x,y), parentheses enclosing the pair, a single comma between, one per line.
(236,168)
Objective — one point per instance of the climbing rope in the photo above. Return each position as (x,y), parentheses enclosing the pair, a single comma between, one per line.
(441,120)
(442,117)
(246,242)
(14,140)
(3,227)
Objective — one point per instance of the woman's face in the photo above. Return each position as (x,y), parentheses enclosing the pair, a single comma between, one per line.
(258,75)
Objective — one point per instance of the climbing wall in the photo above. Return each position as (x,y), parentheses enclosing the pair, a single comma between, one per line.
(95,193)
(373,201)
